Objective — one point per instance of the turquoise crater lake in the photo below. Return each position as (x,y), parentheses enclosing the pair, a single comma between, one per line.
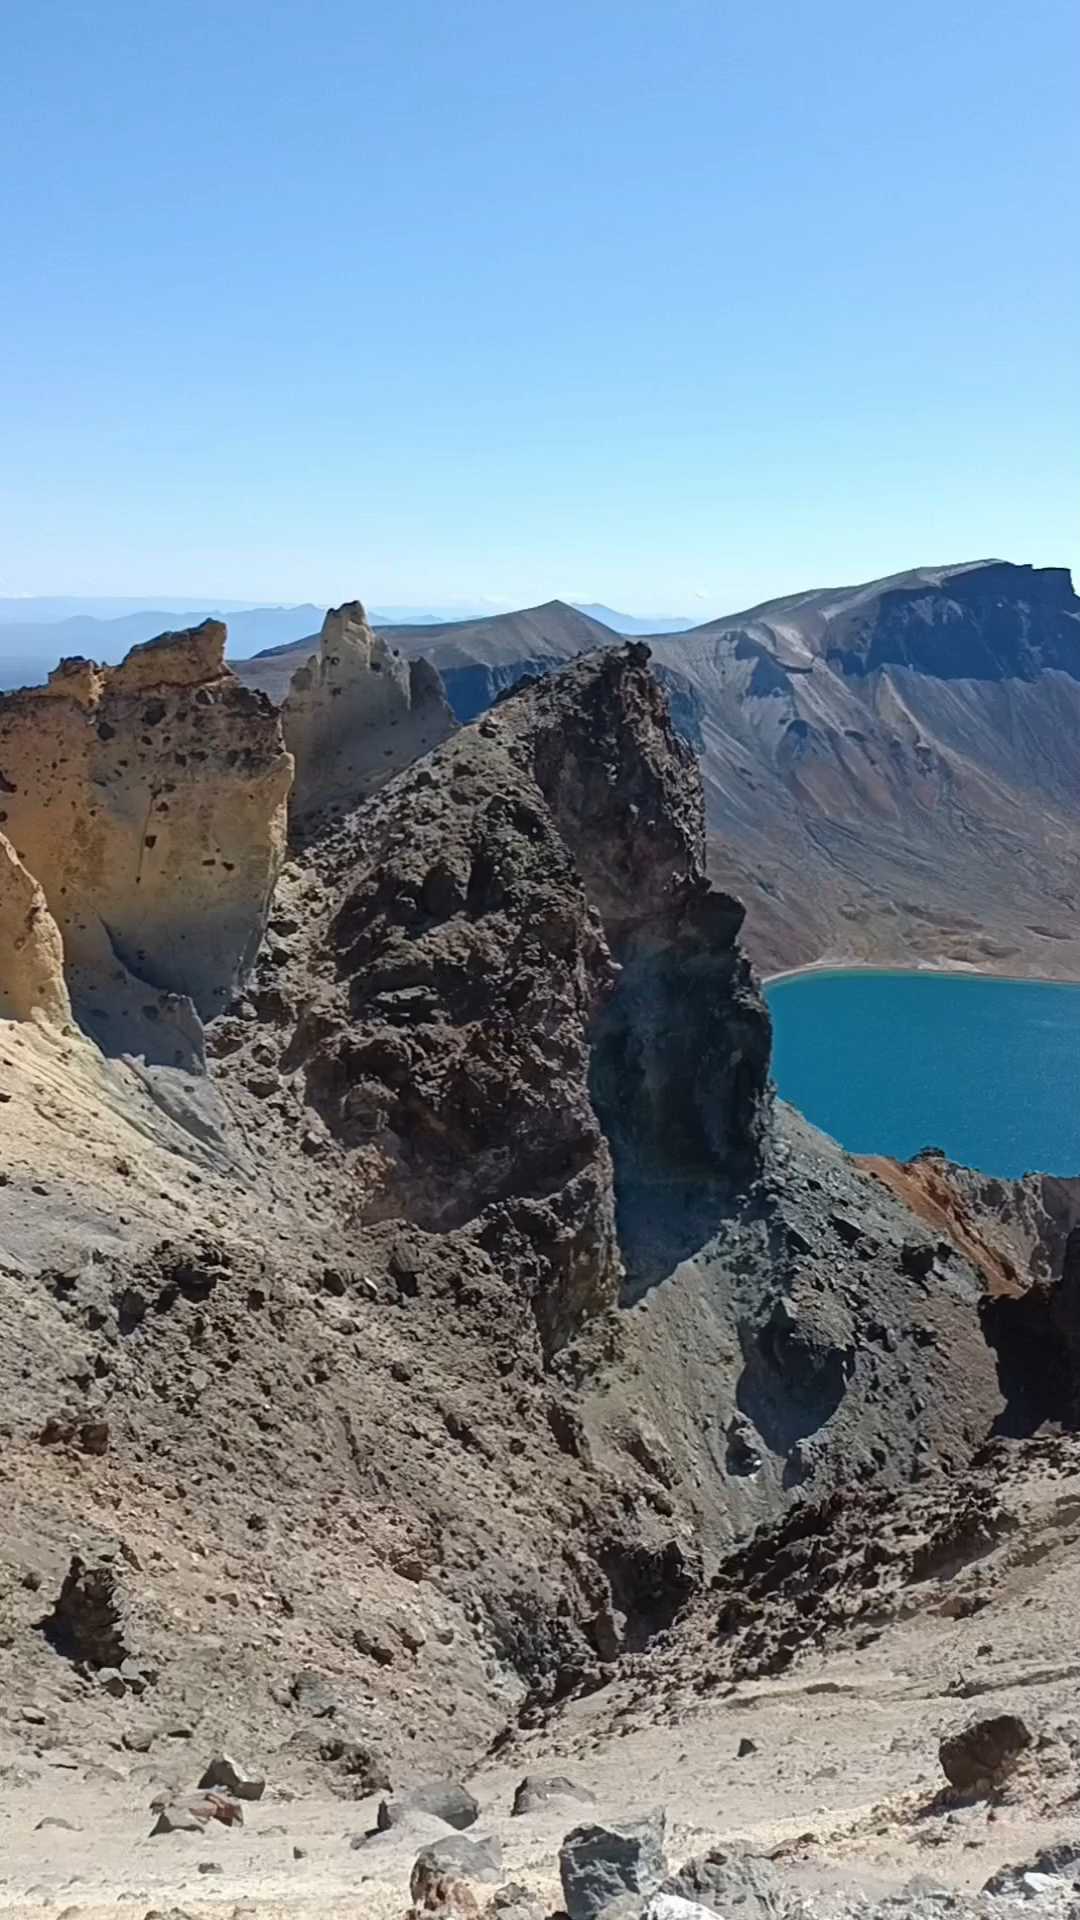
(890,1062)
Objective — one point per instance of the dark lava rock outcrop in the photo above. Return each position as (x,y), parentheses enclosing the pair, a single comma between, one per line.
(520,969)
(505,1304)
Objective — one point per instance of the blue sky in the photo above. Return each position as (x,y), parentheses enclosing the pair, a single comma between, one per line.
(675,305)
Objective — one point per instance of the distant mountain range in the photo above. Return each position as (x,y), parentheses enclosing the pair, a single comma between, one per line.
(631,623)
(891,769)
(29,647)
(39,632)
(476,658)
(36,633)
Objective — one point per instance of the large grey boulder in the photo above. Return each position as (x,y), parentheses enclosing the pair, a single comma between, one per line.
(741,1886)
(457,1858)
(223,1771)
(421,1829)
(540,1789)
(447,1799)
(600,1865)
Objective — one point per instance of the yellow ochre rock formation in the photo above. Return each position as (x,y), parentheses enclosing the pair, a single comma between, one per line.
(31,950)
(357,713)
(149,801)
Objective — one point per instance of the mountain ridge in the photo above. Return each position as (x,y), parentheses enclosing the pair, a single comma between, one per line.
(463,1361)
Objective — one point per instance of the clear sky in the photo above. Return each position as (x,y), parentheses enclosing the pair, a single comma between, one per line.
(671,303)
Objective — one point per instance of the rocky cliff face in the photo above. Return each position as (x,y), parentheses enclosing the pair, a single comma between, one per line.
(680,1050)
(355,714)
(148,801)
(520,961)
(890,770)
(986,622)
(32,974)
(501,1301)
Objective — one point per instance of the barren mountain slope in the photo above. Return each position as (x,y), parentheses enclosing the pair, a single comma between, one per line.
(477,658)
(410,1375)
(891,771)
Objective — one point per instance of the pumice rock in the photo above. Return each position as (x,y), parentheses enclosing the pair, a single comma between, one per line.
(148,800)
(31,950)
(356,713)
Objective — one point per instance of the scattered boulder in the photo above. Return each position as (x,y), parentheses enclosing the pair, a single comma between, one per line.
(179,1819)
(89,1435)
(726,1882)
(313,1694)
(1061,1862)
(87,1620)
(32,979)
(539,1790)
(193,1814)
(514,1902)
(224,1772)
(984,1753)
(746,1747)
(445,1799)
(422,1829)
(455,1859)
(600,1864)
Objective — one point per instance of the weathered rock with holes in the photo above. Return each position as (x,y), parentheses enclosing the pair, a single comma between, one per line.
(32,980)
(355,714)
(480,1039)
(148,801)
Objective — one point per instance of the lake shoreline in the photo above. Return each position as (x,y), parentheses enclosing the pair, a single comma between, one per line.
(957,972)
(885,1059)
